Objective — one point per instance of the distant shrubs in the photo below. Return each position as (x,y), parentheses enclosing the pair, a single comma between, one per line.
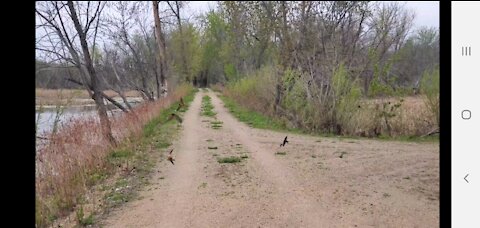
(430,89)
(337,105)
(255,90)
(345,98)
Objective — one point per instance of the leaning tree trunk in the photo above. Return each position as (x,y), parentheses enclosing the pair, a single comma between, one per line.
(95,86)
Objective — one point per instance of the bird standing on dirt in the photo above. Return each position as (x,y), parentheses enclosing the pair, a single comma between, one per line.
(285,141)
(170,158)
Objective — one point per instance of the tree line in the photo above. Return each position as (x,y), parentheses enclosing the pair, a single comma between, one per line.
(151,46)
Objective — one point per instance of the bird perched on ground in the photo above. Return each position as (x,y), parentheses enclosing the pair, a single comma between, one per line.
(285,141)
(170,158)
(173,115)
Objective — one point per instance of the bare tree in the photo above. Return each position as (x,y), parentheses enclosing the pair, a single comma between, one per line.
(71,45)
(175,8)
(120,30)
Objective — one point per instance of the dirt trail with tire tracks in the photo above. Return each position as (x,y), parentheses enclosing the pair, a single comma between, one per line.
(317,182)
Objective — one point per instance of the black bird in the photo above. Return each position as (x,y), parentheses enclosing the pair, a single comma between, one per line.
(170,158)
(181,104)
(173,115)
(285,141)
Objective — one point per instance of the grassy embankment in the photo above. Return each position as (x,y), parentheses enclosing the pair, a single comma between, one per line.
(79,174)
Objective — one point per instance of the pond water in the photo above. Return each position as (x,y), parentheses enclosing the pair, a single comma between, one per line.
(45,118)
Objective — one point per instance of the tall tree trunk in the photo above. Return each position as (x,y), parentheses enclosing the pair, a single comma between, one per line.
(95,85)
(160,43)
(182,43)
(157,81)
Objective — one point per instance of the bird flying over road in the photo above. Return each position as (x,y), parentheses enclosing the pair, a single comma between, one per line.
(170,158)
(285,141)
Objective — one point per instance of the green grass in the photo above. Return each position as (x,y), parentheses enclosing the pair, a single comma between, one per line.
(116,198)
(121,183)
(207,107)
(84,221)
(258,120)
(216,127)
(203,185)
(252,118)
(231,159)
(216,124)
(281,153)
(121,153)
(244,156)
(162,144)
(96,177)
(160,120)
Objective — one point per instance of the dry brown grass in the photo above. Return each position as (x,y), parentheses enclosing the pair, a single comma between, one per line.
(218,87)
(64,162)
(411,119)
(70,96)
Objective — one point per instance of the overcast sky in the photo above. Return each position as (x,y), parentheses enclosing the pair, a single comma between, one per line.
(427,12)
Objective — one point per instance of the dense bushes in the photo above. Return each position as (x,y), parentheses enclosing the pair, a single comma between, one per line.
(430,88)
(339,108)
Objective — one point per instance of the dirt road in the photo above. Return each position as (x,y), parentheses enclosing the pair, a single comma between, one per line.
(311,182)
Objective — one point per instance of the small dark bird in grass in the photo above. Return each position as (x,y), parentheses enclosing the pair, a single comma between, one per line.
(285,141)
(181,104)
(170,158)
(173,115)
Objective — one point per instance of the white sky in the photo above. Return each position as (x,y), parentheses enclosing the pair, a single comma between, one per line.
(427,13)
(198,7)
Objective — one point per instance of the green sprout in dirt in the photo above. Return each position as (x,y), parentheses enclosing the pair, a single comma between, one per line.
(207,107)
